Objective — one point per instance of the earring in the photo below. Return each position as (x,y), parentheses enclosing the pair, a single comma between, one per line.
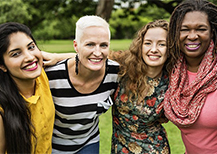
(76,64)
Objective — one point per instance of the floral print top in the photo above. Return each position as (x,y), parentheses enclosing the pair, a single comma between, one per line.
(137,128)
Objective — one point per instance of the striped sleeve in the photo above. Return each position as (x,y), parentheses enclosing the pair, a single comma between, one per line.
(77,115)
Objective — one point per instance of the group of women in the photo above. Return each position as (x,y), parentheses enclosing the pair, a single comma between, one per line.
(168,73)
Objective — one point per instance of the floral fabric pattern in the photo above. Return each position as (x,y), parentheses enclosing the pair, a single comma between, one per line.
(137,126)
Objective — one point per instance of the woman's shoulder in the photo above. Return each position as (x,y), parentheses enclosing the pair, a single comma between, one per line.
(112,63)
(112,67)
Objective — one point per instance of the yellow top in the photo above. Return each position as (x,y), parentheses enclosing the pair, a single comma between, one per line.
(42,115)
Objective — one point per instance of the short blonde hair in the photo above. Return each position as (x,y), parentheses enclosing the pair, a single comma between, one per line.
(89,21)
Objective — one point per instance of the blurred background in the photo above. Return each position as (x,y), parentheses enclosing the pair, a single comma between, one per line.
(53,25)
(55,19)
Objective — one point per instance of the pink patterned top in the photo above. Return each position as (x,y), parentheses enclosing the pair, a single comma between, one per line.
(201,137)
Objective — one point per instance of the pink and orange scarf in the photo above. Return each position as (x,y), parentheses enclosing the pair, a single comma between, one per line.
(183,101)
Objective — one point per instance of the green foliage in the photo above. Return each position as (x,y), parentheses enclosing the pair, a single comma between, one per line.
(9,11)
(153,12)
(55,19)
(213,1)
(57,29)
(48,19)
(47,31)
(125,24)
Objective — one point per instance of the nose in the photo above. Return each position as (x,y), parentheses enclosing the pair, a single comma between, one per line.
(29,56)
(97,51)
(192,35)
(153,48)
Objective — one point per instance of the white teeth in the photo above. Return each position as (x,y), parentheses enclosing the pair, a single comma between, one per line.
(95,60)
(31,66)
(154,56)
(192,46)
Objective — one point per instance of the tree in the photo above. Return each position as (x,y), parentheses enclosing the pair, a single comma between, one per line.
(167,5)
(8,13)
(104,8)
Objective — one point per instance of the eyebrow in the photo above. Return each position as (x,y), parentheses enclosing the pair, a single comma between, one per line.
(202,25)
(152,40)
(18,48)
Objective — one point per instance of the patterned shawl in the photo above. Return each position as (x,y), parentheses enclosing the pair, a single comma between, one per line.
(183,101)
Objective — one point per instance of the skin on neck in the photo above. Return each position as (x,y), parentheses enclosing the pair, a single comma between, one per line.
(84,74)
(26,87)
(86,81)
(192,64)
(154,72)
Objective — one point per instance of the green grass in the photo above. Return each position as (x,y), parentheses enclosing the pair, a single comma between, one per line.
(59,46)
(105,124)
(56,46)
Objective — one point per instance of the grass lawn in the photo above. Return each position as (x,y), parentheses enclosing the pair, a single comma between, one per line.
(59,46)
(105,124)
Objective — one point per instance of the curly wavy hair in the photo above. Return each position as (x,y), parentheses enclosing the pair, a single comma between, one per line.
(133,70)
(176,20)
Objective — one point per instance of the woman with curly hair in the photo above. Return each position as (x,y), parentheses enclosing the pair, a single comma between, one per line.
(190,101)
(137,110)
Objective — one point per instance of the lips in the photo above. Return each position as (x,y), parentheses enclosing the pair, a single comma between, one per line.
(32,66)
(192,46)
(95,60)
(153,57)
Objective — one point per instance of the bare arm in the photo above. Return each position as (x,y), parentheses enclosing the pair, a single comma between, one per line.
(52,58)
(2,136)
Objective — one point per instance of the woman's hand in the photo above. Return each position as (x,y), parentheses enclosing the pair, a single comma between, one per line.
(50,59)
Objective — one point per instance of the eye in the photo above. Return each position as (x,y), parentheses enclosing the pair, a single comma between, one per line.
(90,44)
(104,45)
(147,43)
(184,30)
(15,54)
(162,44)
(31,47)
(202,29)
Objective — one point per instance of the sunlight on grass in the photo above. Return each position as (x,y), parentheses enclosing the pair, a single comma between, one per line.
(56,46)
(59,46)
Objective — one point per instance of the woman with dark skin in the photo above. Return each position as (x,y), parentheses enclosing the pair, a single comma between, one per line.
(190,101)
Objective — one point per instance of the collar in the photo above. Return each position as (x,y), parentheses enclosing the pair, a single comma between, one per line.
(34,98)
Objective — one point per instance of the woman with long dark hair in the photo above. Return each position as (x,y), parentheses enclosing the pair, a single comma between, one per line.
(26,106)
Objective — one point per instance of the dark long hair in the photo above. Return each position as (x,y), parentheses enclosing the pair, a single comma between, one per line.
(176,20)
(16,115)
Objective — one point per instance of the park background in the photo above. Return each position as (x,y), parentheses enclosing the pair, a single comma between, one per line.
(53,25)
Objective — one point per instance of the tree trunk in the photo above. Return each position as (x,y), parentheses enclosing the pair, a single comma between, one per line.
(104,9)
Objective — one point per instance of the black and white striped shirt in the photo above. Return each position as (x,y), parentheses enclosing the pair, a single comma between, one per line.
(77,115)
